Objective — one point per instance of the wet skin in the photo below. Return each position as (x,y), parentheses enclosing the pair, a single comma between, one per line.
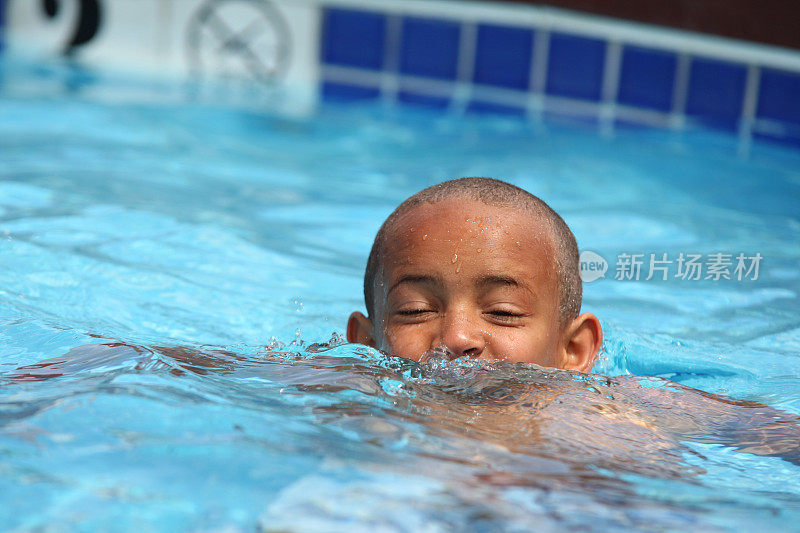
(477,280)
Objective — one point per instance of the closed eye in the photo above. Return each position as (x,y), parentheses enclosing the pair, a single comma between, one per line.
(505,317)
(504,313)
(413,316)
(413,312)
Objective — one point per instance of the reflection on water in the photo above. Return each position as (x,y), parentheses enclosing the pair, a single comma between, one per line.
(467,435)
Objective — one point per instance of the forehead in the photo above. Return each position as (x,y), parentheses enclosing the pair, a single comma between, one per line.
(473,236)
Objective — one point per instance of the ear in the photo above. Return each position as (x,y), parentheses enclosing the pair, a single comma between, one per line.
(584,336)
(359,329)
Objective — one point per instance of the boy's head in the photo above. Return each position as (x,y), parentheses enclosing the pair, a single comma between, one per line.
(480,268)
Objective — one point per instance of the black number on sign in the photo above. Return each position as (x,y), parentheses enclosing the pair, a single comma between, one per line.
(50,8)
(89,17)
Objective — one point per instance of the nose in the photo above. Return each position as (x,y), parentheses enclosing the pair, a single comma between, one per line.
(461,335)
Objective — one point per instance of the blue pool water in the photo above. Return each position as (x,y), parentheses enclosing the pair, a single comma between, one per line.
(211,254)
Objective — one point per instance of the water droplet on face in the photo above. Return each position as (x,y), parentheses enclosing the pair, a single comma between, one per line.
(455,258)
(479,250)
(424,236)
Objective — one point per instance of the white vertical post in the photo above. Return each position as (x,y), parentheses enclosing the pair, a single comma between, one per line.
(465,67)
(391,59)
(612,68)
(537,81)
(680,91)
(749,104)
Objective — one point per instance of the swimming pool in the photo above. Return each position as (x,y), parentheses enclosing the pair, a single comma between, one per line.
(174,224)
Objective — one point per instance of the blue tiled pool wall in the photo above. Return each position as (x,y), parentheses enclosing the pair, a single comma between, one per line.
(2,22)
(530,70)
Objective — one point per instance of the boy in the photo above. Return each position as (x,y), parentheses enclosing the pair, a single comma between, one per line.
(477,267)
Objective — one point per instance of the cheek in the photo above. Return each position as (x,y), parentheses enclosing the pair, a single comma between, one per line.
(524,346)
(408,341)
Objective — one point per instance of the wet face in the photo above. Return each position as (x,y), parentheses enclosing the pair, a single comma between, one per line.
(476,279)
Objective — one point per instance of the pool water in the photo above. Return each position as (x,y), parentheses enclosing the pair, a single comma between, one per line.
(212,254)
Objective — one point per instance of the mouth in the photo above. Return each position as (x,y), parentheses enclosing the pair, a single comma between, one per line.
(442,353)
(449,370)
(439,353)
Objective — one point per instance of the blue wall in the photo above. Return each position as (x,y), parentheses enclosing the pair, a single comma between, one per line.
(2,22)
(423,54)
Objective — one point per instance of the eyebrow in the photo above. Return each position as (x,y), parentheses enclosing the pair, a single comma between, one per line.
(416,278)
(485,282)
(497,280)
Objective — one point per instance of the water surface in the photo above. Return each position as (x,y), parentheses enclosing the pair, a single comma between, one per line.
(175,280)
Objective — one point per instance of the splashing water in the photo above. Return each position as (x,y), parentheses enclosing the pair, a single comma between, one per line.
(454,429)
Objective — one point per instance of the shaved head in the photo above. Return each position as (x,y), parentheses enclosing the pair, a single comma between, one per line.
(496,193)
